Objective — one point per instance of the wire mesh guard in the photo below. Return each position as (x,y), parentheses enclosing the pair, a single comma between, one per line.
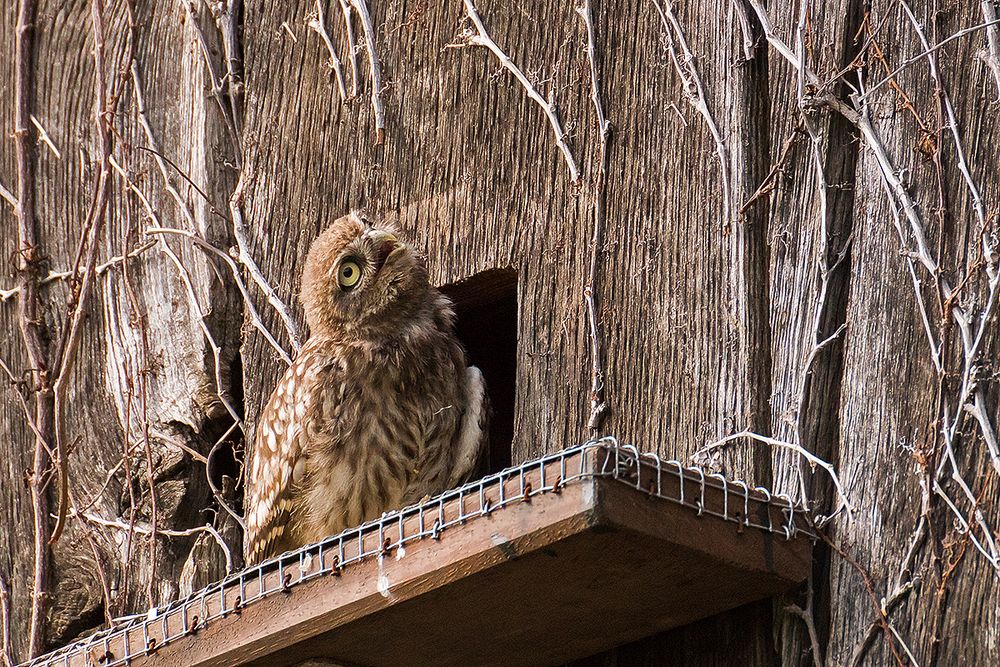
(710,494)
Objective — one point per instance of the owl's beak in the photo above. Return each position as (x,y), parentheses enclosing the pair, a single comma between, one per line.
(385,244)
(378,236)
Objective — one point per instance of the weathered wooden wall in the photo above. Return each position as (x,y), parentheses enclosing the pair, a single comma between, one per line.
(711,310)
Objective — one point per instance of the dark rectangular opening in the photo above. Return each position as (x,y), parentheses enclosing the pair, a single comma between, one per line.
(486,306)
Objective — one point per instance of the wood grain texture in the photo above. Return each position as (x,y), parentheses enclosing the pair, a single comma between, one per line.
(17,444)
(106,410)
(888,402)
(453,170)
(708,322)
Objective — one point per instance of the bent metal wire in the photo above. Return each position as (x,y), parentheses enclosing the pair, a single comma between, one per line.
(133,637)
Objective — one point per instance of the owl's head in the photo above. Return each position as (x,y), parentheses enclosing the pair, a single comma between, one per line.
(360,279)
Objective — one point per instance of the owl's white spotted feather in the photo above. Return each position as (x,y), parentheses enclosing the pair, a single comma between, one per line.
(278,462)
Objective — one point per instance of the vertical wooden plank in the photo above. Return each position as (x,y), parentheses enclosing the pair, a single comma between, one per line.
(16,446)
(106,406)
(893,402)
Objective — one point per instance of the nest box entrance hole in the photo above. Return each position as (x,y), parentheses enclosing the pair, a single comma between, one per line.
(486,309)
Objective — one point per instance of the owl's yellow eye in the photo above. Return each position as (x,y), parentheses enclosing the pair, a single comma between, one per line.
(349,274)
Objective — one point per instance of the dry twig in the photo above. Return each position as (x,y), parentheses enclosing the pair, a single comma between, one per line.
(989,24)
(44,137)
(374,69)
(318,24)
(991,54)
(694,93)
(226,107)
(65,353)
(6,653)
(476,35)
(843,503)
(100,270)
(8,197)
(255,318)
(34,331)
(143,529)
(243,256)
(598,406)
(185,277)
(352,45)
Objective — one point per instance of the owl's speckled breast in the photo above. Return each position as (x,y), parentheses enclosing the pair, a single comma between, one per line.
(388,431)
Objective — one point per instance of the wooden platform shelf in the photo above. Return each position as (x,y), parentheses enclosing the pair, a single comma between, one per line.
(552,560)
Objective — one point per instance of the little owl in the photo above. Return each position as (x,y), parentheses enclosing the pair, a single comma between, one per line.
(379,408)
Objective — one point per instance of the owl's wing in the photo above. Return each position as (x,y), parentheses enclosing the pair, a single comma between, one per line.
(472,435)
(278,462)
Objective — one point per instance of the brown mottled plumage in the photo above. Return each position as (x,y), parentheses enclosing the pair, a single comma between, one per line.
(379,408)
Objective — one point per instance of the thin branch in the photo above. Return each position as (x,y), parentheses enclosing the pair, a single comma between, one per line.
(44,137)
(772,37)
(806,615)
(8,197)
(226,14)
(192,296)
(373,68)
(824,270)
(162,161)
(166,532)
(586,15)
(141,374)
(965,525)
(14,382)
(206,333)
(750,36)
(239,233)
(6,653)
(895,184)
(110,474)
(694,93)
(100,270)
(991,54)
(318,24)
(904,581)
(352,45)
(770,181)
(31,319)
(255,318)
(244,257)
(929,50)
(478,36)
(228,116)
(963,164)
(102,575)
(598,405)
(866,579)
(65,354)
(809,456)
(989,550)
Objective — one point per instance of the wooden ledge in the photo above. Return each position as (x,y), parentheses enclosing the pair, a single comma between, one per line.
(554,560)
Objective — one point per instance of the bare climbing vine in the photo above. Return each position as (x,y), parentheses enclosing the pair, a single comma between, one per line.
(957,307)
(475,34)
(598,406)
